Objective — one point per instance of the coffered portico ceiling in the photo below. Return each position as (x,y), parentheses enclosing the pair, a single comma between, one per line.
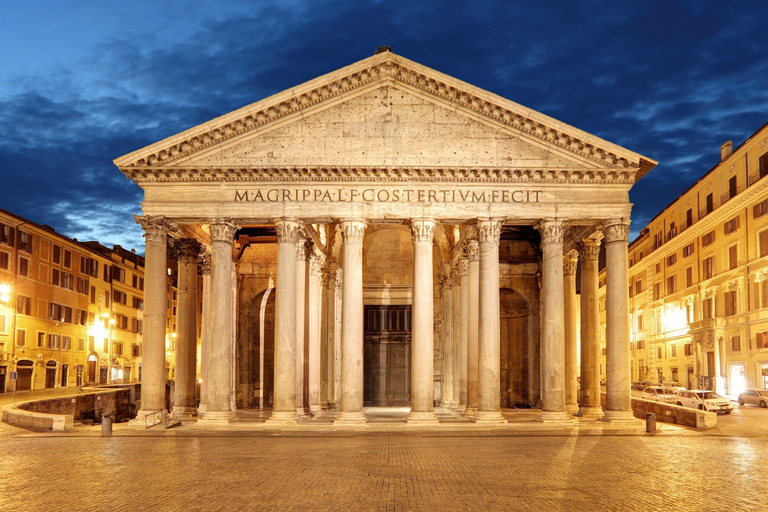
(384,120)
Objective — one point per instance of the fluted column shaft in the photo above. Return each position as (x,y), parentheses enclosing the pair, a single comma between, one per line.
(464,335)
(489,344)
(589,404)
(186,327)
(156,229)
(219,387)
(422,332)
(473,257)
(313,325)
(553,325)
(284,406)
(570,262)
(618,382)
(204,261)
(351,406)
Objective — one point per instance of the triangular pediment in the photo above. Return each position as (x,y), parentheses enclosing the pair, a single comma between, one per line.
(385,111)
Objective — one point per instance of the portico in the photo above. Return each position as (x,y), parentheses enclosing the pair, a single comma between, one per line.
(387,184)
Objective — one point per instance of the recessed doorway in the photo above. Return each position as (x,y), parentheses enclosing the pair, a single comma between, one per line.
(387,356)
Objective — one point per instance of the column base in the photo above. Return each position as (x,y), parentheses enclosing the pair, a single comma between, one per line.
(489,419)
(461,408)
(350,419)
(216,419)
(282,418)
(590,413)
(556,417)
(302,412)
(470,412)
(315,409)
(201,410)
(184,411)
(572,408)
(448,405)
(422,418)
(141,418)
(621,418)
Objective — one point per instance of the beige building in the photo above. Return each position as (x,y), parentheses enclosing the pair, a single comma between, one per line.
(71,312)
(698,279)
(387,235)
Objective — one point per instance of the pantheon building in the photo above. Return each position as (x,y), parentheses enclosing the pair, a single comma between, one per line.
(387,235)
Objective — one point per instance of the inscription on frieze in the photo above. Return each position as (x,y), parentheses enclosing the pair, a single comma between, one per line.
(385,195)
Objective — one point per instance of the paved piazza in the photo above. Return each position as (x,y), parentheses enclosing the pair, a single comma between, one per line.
(183,470)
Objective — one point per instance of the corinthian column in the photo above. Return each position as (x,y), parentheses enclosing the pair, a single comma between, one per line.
(302,278)
(351,407)
(589,405)
(473,256)
(284,408)
(618,405)
(489,349)
(446,285)
(313,328)
(186,327)
(204,261)
(456,339)
(156,229)
(219,387)
(463,335)
(553,326)
(570,261)
(422,344)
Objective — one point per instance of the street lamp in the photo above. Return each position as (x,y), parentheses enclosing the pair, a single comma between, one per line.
(5,296)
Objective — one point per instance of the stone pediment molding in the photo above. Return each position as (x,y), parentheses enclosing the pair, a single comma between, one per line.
(383,69)
(732,284)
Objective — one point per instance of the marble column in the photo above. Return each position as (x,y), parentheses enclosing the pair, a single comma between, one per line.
(456,338)
(489,343)
(186,328)
(473,257)
(220,390)
(204,261)
(570,262)
(302,280)
(313,327)
(446,286)
(463,334)
(284,407)
(552,322)
(589,403)
(423,329)
(351,406)
(330,333)
(618,407)
(156,230)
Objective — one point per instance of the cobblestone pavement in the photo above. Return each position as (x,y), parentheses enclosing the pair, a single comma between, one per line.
(381,471)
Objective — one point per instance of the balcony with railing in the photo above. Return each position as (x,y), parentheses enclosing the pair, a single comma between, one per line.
(730,194)
(757,176)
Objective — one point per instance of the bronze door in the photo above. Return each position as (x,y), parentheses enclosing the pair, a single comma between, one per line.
(387,375)
(398,373)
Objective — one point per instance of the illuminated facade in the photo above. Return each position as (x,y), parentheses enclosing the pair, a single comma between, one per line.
(71,312)
(698,279)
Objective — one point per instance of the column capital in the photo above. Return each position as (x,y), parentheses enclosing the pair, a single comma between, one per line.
(616,230)
(551,231)
(156,227)
(187,250)
(570,261)
(223,230)
(463,266)
(204,262)
(288,230)
(423,229)
(456,277)
(473,250)
(352,230)
(489,230)
(316,265)
(589,249)
(303,247)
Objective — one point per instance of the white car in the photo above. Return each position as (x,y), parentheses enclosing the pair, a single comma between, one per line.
(704,400)
(659,394)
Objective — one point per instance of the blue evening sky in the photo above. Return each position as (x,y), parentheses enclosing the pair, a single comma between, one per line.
(83,82)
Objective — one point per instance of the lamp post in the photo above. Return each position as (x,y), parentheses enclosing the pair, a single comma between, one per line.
(6,296)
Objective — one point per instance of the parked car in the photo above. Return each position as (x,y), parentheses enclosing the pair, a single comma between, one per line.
(754,397)
(675,386)
(705,400)
(659,394)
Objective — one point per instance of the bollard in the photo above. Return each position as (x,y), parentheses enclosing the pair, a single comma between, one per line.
(106,424)
(650,423)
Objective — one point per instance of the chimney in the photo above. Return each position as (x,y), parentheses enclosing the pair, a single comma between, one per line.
(726,150)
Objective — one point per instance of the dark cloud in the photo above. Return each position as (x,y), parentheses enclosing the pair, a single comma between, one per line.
(670,80)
